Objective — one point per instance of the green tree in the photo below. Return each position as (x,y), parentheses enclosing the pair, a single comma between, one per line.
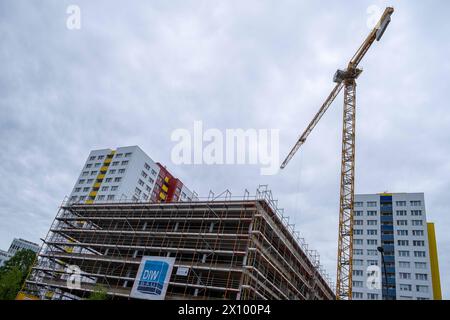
(99,293)
(14,272)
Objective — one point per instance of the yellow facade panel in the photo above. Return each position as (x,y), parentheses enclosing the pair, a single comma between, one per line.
(434,263)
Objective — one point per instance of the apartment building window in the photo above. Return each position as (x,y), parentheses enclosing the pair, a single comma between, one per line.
(358,273)
(358,222)
(115,163)
(153,172)
(151,180)
(144,174)
(117,179)
(403,243)
(94,173)
(404,275)
(403,253)
(114,188)
(358,204)
(77,189)
(146,166)
(372,252)
(372,242)
(82,198)
(357,213)
(89,181)
(92,158)
(81,181)
(140,182)
(98,164)
(119,155)
(372,232)
(137,191)
(88,165)
(423,289)
(73,198)
(121,171)
(105,188)
(402,222)
(418,243)
(371,213)
(101,157)
(402,232)
(101,197)
(372,262)
(358,242)
(86,189)
(148,189)
(420,265)
(372,296)
(358,262)
(417,232)
(400,203)
(401,212)
(358,232)
(416,212)
(110,197)
(419,254)
(112,171)
(416,203)
(357,295)
(404,264)
(108,180)
(372,222)
(421,276)
(85,173)
(125,162)
(417,222)
(128,154)
(358,284)
(371,204)
(145,196)
(405,287)
(358,252)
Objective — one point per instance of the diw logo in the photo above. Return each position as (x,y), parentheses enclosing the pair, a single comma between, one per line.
(153,277)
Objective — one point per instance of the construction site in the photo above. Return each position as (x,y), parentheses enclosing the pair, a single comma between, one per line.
(224,248)
(221,247)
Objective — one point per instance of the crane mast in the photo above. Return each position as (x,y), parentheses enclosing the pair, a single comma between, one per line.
(345,79)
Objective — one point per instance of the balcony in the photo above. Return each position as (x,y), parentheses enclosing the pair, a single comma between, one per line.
(387,237)
(385,227)
(107,161)
(100,176)
(97,184)
(386,209)
(104,169)
(386,218)
(165,188)
(93,194)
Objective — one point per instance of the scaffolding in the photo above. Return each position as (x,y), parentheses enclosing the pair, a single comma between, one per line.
(229,247)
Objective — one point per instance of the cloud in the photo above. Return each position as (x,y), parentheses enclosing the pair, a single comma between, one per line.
(136,72)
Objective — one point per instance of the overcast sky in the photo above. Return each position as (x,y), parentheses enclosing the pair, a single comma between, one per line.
(138,70)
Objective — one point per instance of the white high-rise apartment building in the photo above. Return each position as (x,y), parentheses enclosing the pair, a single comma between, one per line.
(397,223)
(21,244)
(126,174)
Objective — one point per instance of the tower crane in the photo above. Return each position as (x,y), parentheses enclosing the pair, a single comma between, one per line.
(346,79)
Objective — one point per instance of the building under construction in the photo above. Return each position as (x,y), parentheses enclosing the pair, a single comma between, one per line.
(224,248)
